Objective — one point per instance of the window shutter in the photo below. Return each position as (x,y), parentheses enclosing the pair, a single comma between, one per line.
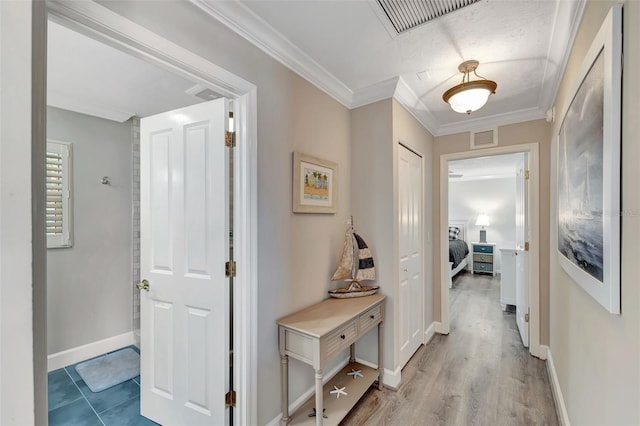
(58,171)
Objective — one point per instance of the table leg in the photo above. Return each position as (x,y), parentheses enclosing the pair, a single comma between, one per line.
(319,399)
(352,352)
(380,363)
(284,389)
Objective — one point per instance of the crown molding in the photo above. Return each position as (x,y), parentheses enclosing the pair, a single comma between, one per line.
(491,121)
(412,103)
(560,45)
(374,93)
(243,21)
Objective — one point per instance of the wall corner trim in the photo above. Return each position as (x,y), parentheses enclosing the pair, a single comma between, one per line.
(561,409)
(90,350)
(429,333)
(439,328)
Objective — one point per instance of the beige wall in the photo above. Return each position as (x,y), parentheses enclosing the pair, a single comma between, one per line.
(597,354)
(536,131)
(372,207)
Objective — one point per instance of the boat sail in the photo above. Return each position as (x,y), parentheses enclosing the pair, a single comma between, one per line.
(356,265)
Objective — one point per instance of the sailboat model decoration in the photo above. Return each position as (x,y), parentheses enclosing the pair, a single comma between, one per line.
(356,265)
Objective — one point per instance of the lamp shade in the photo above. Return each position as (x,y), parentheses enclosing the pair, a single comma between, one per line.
(483,220)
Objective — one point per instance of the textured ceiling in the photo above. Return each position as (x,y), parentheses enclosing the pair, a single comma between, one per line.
(521,44)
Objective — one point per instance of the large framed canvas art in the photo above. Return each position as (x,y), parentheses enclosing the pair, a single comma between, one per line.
(589,170)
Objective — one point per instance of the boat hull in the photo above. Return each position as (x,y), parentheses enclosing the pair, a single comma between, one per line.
(347,293)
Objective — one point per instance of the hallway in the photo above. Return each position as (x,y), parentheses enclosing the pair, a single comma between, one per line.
(479,374)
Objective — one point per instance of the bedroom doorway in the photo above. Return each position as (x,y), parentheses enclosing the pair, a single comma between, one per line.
(485,248)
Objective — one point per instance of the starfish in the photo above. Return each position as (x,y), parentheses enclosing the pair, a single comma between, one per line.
(338,392)
(355,373)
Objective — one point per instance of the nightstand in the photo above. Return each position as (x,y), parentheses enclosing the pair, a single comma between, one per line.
(483,258)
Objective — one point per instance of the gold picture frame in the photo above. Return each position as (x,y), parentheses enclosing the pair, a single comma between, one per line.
(315,188)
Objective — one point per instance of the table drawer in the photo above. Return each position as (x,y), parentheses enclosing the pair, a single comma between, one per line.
(341,338)
(482,249)
(483,258)
(369,318)
(485,267)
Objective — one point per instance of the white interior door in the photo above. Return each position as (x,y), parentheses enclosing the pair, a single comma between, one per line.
(522,252)
(410,246)
(184,314)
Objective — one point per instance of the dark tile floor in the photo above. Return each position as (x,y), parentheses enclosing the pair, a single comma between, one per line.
(71,402)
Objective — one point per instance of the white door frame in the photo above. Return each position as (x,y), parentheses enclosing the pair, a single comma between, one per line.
(534,216)
(101,23)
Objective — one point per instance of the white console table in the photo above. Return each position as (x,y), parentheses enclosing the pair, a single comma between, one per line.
(317,334)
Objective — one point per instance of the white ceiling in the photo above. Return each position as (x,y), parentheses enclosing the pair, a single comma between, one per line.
(494,167)
(345,48)
(84,75)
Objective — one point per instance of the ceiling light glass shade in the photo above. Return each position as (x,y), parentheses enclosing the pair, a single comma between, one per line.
(469,96)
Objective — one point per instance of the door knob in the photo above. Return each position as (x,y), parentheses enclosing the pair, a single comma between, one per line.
(144,285)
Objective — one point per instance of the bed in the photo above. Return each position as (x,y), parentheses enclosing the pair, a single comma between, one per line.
(458,249)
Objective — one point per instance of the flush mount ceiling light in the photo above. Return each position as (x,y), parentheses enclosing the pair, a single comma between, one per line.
(469,96)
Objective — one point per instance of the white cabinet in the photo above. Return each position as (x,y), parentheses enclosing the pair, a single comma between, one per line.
(508,278)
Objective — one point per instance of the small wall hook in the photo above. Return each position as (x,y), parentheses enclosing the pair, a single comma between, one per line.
(106,180)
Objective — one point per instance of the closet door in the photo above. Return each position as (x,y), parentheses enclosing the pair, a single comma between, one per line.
(410,199)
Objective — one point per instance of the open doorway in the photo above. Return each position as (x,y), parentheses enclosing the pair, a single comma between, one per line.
(487,260)
(208,77)
(486,230)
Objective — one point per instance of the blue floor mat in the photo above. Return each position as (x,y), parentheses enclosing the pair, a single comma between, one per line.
(109,370)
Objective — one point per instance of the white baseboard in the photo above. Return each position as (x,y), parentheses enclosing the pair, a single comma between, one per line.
(437,325)
(429,333)
(563,416)
(90,350)
(390,378)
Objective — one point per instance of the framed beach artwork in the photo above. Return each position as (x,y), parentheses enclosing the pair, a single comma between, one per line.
(314,184)
(589,170)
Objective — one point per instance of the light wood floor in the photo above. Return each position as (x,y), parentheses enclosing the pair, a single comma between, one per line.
(480,374)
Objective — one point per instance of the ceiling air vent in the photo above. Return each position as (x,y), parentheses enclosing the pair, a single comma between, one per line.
(484,138)
(405,15)
(203,93)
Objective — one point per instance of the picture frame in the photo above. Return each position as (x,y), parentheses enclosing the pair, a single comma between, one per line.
(315,184)
(588,204)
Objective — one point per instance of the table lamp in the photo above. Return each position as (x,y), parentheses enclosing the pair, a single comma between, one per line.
(483,220)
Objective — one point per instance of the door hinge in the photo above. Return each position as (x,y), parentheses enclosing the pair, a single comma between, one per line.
(526,317)
(230,399)
(230,268)
(526,246)
(230,139)
(526,174)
